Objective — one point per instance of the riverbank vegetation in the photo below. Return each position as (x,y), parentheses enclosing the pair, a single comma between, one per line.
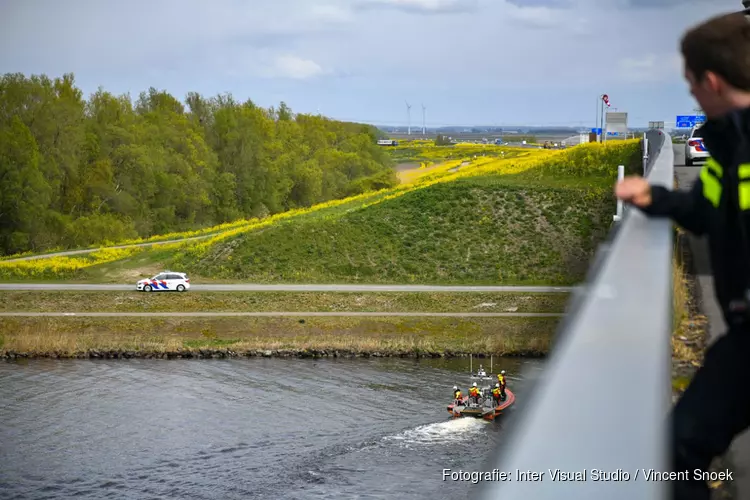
(96,301)
(77,172)
(319,336)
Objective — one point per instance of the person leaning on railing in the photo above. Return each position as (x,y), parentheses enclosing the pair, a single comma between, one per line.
(716,405)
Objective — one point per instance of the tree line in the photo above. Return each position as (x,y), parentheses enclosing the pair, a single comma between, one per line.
(442,140)
(76,172)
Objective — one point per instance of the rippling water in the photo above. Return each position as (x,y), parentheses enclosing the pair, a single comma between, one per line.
(244,428)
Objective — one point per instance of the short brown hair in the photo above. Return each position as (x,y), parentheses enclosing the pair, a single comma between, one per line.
(720,45)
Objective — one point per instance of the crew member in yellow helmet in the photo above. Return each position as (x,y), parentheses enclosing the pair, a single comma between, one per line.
(501,380)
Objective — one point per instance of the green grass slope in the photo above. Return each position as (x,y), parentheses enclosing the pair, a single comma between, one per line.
(535,219)
(489,229)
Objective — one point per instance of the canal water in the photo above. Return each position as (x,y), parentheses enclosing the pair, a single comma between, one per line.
(240,428)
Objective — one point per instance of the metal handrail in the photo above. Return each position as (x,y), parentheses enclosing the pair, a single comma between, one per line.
(603,400)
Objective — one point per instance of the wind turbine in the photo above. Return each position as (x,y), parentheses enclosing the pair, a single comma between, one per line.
(408,118)
(424,129)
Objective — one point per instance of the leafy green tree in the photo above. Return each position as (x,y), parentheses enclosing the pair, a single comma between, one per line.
(76,172)
(24,193)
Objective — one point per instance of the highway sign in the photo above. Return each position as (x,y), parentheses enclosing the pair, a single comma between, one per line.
(613,133)
(596,130)
(689,121)
(656,125)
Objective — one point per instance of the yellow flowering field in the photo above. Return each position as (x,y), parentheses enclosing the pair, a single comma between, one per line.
(583,160)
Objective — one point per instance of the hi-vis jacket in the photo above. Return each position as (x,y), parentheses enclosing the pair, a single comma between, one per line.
(716,204)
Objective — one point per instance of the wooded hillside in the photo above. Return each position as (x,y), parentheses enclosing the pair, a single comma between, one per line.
(75,172)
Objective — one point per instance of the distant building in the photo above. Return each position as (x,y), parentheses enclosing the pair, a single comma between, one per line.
(575,140)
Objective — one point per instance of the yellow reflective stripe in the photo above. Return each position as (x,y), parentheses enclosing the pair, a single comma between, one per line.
(711,185)
(714,166)
(744,187)
(744,195)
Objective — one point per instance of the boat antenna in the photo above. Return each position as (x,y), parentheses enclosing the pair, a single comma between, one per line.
(471,364)
(490,363)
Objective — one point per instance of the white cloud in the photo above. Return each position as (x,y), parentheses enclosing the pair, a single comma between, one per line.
(423,6)
(288,66)
(650,68)
(332,13)
(667,4)
(564,21)
(487,60)
(538,17)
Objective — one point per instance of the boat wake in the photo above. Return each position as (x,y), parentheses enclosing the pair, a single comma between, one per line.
(441,432)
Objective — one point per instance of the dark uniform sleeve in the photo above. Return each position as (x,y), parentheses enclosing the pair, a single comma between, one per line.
(683,207)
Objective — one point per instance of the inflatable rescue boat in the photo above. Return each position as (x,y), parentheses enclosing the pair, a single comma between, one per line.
(485,409)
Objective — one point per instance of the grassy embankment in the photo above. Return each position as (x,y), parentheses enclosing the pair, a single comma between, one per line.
(532,219)
(690,327)
(689,341)
(424,153)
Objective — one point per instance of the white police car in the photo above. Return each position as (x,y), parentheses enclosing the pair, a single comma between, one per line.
(165,281)
(694,147)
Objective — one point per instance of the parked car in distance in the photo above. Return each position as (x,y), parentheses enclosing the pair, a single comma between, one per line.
(694,147)
(165,281)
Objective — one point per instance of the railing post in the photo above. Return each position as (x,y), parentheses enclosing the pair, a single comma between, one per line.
(620,176)
(645,152)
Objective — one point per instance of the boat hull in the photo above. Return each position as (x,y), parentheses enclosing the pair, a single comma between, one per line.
(488,413)
(509,400)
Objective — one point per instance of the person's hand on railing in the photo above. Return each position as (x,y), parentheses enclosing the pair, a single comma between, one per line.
(635,190)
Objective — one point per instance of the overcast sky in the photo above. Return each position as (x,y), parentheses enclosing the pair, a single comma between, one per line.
(493,62)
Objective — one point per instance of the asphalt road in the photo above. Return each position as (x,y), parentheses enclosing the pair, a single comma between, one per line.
(250,287)
(220,314)
(699,246)
(740,450)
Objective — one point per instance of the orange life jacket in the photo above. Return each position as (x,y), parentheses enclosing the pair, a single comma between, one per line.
(474,391)
(496,391)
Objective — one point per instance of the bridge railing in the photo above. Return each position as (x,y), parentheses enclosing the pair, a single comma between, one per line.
(602,402)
